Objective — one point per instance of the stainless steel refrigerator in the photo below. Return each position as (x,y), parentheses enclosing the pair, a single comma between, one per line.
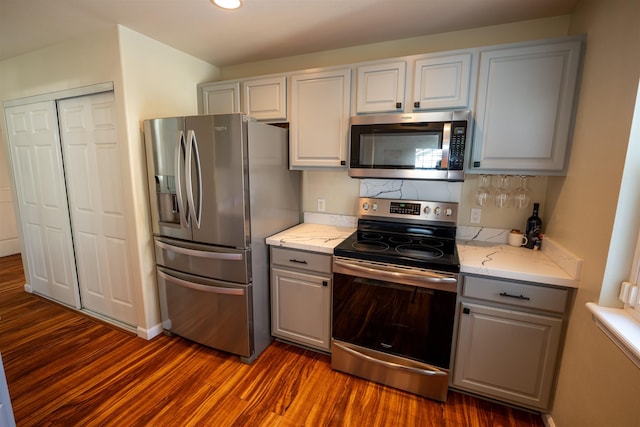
(219,185)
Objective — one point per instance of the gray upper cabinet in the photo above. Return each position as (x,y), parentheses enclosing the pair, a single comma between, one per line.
(319,117)
(381,87)
(525,107)
(219,98)
(442,82)
(265,98)
(438,81)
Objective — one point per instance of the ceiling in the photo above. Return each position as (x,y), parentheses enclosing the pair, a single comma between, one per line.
(261,29)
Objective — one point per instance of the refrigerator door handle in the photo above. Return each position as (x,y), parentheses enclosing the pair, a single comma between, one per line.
(200,254)
(194,143)
(192,147)
(198,287)
(180,143)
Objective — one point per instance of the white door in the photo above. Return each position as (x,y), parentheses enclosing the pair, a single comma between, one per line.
(42,201)
(96,200)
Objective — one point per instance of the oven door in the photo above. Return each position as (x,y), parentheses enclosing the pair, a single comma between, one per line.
(393,325)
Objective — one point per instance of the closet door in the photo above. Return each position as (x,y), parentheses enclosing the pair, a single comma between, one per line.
(96,199)
(42,201)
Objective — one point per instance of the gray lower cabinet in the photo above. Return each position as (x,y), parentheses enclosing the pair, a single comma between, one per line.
(301,297)
(508,341)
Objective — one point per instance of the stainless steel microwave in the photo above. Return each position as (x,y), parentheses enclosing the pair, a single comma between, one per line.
(409,146)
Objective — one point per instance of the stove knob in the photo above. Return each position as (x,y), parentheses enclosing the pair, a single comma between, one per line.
(375,207)
(365,206)
(448,212)
(437,211)
(427,210)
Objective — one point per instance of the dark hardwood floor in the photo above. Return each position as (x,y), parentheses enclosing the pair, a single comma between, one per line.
(66,369)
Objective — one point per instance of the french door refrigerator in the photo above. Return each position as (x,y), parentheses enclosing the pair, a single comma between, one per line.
(219,185)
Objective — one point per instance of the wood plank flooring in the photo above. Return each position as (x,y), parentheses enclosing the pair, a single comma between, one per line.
(66,369)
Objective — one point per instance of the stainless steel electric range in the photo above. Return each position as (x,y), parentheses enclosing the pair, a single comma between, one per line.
(394,295)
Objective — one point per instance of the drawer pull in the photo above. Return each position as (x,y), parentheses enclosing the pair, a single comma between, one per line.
(298,261)
(504,294)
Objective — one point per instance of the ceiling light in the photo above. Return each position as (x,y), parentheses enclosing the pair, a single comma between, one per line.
(228,4)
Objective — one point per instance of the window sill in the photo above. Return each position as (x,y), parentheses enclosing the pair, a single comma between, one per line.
(620,327)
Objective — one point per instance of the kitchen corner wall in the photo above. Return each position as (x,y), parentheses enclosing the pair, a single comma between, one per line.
(145,87)
(598,385)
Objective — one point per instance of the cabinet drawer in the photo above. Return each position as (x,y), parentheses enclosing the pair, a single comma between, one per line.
(512,293)
(302,260)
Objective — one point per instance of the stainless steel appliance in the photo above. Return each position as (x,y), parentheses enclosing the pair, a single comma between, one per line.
(409,146)
(394,295)
(219,185)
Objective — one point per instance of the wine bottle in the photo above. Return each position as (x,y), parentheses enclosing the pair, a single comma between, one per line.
(534,227)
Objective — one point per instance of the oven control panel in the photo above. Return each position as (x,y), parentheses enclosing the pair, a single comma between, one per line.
(412,210)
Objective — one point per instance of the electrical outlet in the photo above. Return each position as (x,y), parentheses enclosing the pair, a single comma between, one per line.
(476,214)
(321,205)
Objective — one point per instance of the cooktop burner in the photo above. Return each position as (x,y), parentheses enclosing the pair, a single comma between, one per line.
(403,245)
(411,233)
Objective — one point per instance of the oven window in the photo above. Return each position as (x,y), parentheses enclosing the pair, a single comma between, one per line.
(418,150)
(403,320)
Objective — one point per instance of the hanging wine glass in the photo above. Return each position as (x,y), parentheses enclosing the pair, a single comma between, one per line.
(502,197)
(522,195)
(483,193)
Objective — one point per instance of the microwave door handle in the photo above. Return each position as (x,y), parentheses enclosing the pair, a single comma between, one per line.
(446,141)
(184,219)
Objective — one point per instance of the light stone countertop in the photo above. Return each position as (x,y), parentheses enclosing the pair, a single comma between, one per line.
(481,251)
(314,237)
(553,265)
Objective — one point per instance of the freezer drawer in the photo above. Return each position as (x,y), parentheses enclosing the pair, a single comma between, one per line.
(210,312)
(217,262)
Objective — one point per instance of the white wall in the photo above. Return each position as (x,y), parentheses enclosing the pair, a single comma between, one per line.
(9,242)
(158,81)
(598,384)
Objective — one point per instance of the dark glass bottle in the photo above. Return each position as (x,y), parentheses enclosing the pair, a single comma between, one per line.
(534,227)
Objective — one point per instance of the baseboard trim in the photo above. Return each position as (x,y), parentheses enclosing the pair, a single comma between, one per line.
(548,420)
(150,333)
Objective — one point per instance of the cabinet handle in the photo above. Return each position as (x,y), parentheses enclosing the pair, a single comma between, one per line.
(298,261)
(343,162)
(325,283)
(398,105)
(504,294)
(466,310)
(416,104)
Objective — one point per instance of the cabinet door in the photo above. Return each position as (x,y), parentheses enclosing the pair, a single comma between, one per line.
(42,201)
(266,99)
(319,119)
(380,87)
(506,354)
(300,308)
(524,108)
(442,82)
(219,98)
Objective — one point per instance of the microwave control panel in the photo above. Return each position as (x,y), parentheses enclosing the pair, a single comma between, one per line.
(456,146)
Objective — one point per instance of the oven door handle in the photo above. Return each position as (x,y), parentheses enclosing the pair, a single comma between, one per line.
(424,276)
(431,372)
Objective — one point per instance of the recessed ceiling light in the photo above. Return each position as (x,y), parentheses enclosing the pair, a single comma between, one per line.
(228,4)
